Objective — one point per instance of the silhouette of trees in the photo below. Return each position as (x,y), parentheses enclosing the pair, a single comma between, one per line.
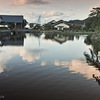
(47,27)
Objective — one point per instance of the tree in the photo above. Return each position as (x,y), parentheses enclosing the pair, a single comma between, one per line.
(93,21)
(37,27)
(47,26)
(95,12)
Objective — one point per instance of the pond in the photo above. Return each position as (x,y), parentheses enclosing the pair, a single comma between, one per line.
(47,68)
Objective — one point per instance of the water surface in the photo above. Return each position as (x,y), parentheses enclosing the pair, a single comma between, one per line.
(40,68)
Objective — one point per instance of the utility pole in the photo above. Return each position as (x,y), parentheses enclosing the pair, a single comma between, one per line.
(39,20)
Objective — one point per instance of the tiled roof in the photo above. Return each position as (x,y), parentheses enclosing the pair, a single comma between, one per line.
(60,21)
(12,18)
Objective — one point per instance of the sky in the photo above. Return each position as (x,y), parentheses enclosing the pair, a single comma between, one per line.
(48,9)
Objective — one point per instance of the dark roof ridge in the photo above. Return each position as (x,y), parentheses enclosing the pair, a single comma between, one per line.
(11,15)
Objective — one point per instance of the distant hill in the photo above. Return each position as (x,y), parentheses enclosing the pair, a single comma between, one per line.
(76,21)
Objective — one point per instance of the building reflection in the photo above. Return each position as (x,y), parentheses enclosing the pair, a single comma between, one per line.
(12,40)
(60,38)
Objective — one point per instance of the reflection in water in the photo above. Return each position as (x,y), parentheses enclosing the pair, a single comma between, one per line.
(43,63)
(79,66)
(5,55)
(26,54)
(60,38)
(1,69)
(97,78)
(14,48)
(29,55)
(93,57)
(13,40)
(41,68)
(63,63)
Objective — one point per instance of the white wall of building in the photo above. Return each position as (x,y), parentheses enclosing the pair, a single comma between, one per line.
(27,26)
(4,26)
(62,25)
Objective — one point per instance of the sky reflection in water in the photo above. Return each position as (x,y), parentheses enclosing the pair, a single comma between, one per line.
(49,52)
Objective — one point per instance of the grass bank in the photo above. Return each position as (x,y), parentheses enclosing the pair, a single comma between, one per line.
(54,32)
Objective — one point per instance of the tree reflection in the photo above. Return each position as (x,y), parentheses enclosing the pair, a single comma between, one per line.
(93,57)
(97,78)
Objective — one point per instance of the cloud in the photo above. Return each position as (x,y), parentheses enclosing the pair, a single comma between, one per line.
(46,16)
(52,13)
(2,11)
(31,16)
(19,2)
(36,2)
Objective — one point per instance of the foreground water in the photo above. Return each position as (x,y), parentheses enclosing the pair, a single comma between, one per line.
(39,68)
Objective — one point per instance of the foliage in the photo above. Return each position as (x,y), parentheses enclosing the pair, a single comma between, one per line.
(47,26)
(93,21)
(77,28)
(76,21)
(37,27)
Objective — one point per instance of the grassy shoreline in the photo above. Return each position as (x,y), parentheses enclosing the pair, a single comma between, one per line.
(52,32)
(67,32)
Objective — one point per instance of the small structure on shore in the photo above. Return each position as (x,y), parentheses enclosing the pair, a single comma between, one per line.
(56,25)
(61,25)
